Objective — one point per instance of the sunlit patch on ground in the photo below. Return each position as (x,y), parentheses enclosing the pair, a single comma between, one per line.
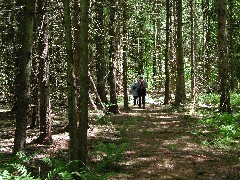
(161,145)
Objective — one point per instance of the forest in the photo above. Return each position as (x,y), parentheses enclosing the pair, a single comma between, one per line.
(66,108)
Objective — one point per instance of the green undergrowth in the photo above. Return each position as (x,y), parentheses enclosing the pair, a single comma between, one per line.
(27,167)
(221,130)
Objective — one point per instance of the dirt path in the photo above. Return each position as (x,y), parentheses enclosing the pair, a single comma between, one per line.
(163,146)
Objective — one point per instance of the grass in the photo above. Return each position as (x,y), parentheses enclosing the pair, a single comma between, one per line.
(217,129)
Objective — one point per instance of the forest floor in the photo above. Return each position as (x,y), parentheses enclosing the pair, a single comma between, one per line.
(162,144)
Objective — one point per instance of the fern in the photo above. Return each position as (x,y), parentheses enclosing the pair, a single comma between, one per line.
(110,154)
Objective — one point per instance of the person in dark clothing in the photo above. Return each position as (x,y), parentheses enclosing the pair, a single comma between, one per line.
(141,89)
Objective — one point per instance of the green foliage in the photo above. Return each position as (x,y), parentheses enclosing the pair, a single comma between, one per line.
(208,99)
(17,168)
(102,120)
(109,154)
(235,101)
(222,130)
(171,146)
(58,169)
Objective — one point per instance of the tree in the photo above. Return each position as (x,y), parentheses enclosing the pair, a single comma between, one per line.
(23,65)
(84,87)
(172,48)
(100,58)
(113,107)
(76,54)
(207,50)
(45,136)
(180,82)
(167,78)
(73,144)
(225,105)
(125,64)
(232,45)
(192,53)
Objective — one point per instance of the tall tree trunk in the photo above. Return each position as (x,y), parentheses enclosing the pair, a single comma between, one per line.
(76,54)
(140,68)
(155,55)
(83,122)
(125,64)
(113,107)
(207,59)
(45,106)
(100,60)
(232,46)
(35,94)
(35,65)
(192,53)
(172,47)
(23,66)
(167,80)
(180,82)
(73,145)
(222,58)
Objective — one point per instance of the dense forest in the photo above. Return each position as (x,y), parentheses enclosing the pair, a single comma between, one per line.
(63,61)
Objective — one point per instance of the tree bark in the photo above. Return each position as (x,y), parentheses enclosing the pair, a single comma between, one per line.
(73,145)
(207,59)
(167,80)
(232,46)
(23,66)
(192,53)
(125,64)
(100,59)
(113,107)
(222,58)
(45,136)
(76,54)
(84,79)
(180,82)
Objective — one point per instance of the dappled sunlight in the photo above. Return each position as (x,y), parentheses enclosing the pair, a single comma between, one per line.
(6,145)
(107,131)
(161,144)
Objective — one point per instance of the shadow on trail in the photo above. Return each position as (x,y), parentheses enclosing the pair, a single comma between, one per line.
(163,146)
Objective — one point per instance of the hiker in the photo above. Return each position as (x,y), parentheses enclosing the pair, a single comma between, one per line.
(141,90)
(134,93)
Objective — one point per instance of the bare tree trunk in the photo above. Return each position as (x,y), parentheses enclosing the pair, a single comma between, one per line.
(172,48)
(45,136)
(35,94)
(180,82)
(192,56)
(73,145)
(207,59)
(100,60)
(23,66)
(76,54)
(222,58)
(84,79)
(167,80)
(113,107)
(232,46)
(125,64)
